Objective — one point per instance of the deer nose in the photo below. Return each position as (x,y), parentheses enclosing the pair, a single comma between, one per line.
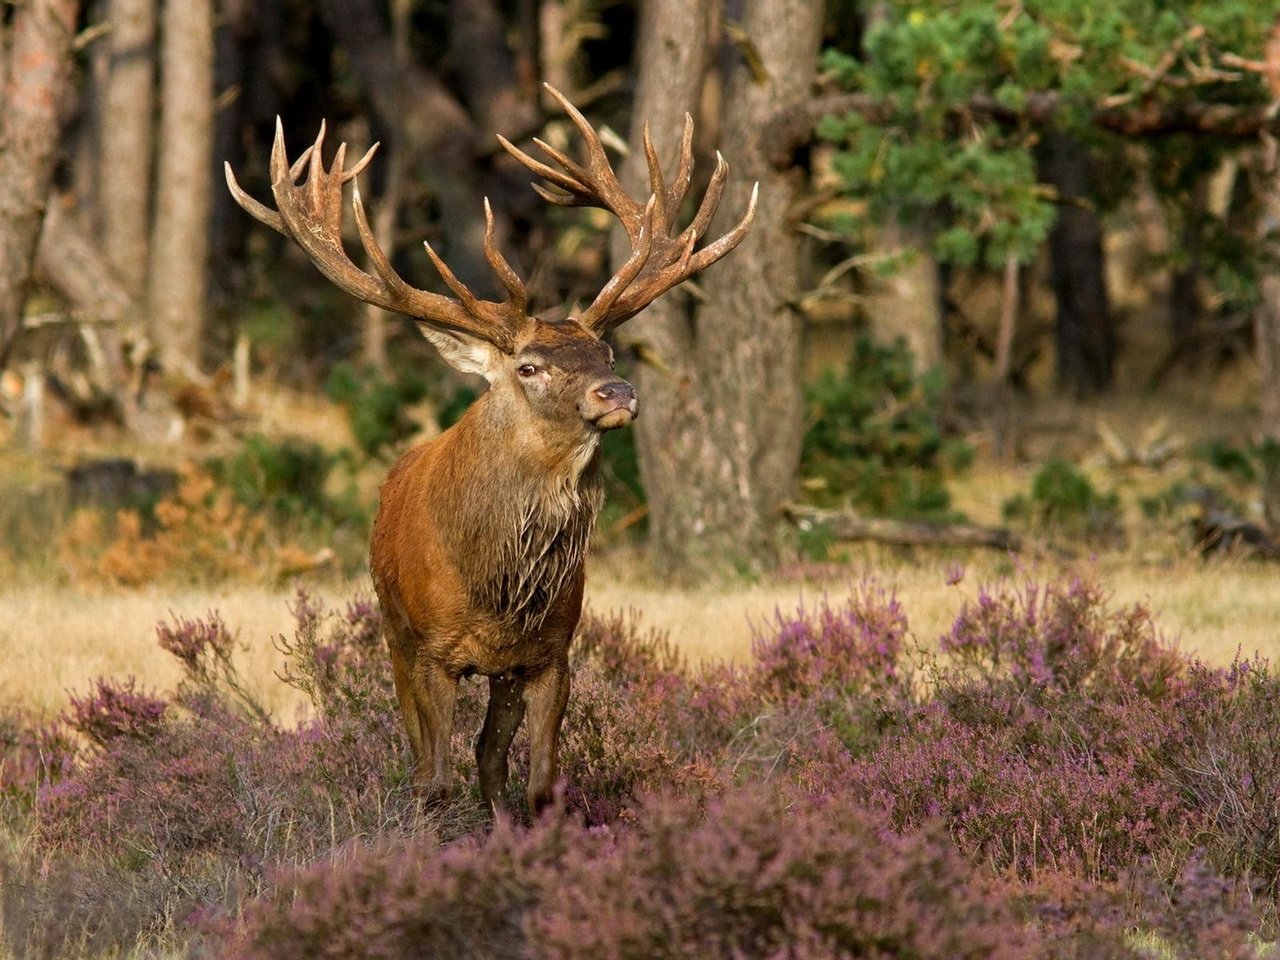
(619,392)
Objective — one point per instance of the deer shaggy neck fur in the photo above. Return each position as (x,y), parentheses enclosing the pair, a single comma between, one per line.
(518,523)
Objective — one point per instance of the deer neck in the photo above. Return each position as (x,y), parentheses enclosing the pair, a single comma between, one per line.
(523,512)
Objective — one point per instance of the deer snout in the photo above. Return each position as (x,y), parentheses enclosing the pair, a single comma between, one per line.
(617,404)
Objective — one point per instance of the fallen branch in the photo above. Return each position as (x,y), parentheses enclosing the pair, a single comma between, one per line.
(847,525)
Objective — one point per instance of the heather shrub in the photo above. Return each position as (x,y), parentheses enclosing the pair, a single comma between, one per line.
(1033,747)
(206,791)
(32,754)
(1218,750)
(1193,915)
(751,876)
(1061,636)
(115,709)
(628,655)
(1018,797)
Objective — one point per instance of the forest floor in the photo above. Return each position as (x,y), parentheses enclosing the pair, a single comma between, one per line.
(57,637)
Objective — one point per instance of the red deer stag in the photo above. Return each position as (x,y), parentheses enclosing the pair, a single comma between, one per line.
(480,537)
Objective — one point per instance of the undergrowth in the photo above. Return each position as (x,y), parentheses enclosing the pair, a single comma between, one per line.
(1060,782)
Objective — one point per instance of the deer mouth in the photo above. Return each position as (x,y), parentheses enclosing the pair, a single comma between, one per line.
(619,416)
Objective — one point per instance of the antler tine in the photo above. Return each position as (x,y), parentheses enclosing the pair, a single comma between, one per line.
(259,211)
(684,172)
(602,181)
(710,200)
(565,181)
(517,295)
(310,213)
(363,162)
(614,289)
(451,279)
(657,188)
(713,252)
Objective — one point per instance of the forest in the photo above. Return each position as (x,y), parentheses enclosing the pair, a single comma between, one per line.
(930,603)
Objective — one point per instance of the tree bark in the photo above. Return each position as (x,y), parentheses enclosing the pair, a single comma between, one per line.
(32,95)
(72,265)
(720,440)
(907,304)
(127,140)
(184,184)
(1085,336)
(1266,326)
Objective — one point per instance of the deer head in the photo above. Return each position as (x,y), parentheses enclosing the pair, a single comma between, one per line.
(561,372)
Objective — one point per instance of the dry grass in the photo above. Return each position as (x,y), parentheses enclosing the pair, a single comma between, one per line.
(1212,610)
(53,640)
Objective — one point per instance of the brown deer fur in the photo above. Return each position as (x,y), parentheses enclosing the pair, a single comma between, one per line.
(481,534)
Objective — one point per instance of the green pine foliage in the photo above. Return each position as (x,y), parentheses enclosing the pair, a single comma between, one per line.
(957,95)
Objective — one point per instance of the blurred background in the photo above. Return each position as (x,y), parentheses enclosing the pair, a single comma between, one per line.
(1012,281)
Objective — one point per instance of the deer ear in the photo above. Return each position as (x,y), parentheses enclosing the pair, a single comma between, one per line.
(463,351)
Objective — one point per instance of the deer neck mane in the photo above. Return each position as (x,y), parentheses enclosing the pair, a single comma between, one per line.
(523,515)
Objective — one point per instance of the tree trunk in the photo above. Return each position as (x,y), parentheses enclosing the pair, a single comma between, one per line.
(1085,336)
(184,183)
(128,106)
(1266,328)
(72,264)
(907,304)
(720,440)
(32,95)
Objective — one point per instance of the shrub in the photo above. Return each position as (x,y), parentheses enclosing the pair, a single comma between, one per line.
(750,877)
(376,405)
(876,438)
(1060,635)
(1218,750)
(290,481)
(1063,501)
(200,534)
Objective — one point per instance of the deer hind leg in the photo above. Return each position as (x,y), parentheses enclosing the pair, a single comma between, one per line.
(502,719)
(545,698)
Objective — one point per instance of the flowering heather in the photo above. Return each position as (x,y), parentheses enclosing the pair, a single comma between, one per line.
(1062,635)
(828,650)
(1066,787)
(115,709)
(747,877)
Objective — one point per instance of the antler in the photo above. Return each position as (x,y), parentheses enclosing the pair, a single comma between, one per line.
(658,260)
(310,213)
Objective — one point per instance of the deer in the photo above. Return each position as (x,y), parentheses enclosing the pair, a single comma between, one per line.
(479,544)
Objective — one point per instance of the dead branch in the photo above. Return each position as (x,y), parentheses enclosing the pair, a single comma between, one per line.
(848,525)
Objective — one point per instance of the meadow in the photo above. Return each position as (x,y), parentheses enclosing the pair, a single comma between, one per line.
(872,751)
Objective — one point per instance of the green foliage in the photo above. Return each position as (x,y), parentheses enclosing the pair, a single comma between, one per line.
(875,439)
(1064,501)
(375,404)
(304,491)
(956,102)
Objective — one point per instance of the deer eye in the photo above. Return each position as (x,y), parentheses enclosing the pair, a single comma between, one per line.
(527,370)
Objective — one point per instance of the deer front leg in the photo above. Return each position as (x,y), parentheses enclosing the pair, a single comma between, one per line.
(545,698)
(402,674)
(506,710)
(434,693)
